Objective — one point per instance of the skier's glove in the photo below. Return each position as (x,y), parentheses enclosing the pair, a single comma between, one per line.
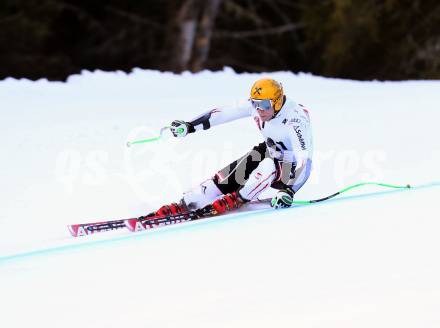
(283,199)
(180,129)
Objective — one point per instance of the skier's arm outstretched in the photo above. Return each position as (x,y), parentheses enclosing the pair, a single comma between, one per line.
(211,118)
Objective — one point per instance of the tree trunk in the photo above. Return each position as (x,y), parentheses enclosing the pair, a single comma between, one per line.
(204,34)
(186,28)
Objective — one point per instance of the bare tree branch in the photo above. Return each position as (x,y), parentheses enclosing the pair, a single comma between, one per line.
(133,17)
(257,33)
(243,13)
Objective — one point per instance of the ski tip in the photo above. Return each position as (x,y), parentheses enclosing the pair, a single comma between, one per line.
(131,224)
(73,229)
(128,144)
(78,230)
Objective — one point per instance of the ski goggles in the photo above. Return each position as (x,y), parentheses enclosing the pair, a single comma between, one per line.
(262,104)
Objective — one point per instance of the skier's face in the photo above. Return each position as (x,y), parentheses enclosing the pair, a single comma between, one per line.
(265,115)
(264,108)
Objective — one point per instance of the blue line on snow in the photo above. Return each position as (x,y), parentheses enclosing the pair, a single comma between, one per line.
(131,236)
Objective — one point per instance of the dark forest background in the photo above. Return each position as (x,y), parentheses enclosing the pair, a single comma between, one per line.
(359,39)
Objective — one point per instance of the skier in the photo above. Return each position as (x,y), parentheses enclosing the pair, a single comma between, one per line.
(282,162)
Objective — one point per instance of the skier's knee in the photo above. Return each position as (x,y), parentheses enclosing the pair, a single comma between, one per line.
(201,195)
(259,180)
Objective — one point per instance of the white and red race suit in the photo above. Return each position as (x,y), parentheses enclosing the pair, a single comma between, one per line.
(283,161)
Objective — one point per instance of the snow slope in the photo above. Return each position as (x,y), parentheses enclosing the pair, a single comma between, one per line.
(366,259)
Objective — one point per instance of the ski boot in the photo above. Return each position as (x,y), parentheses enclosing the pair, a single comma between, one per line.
(170,209)
(225,203)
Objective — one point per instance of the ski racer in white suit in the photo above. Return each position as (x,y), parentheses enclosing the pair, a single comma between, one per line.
(283,161)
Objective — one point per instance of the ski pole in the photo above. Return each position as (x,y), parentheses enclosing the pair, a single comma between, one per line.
(162,130)
(347,189)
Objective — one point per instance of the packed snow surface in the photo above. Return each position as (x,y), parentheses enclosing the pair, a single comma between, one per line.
(366,259)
